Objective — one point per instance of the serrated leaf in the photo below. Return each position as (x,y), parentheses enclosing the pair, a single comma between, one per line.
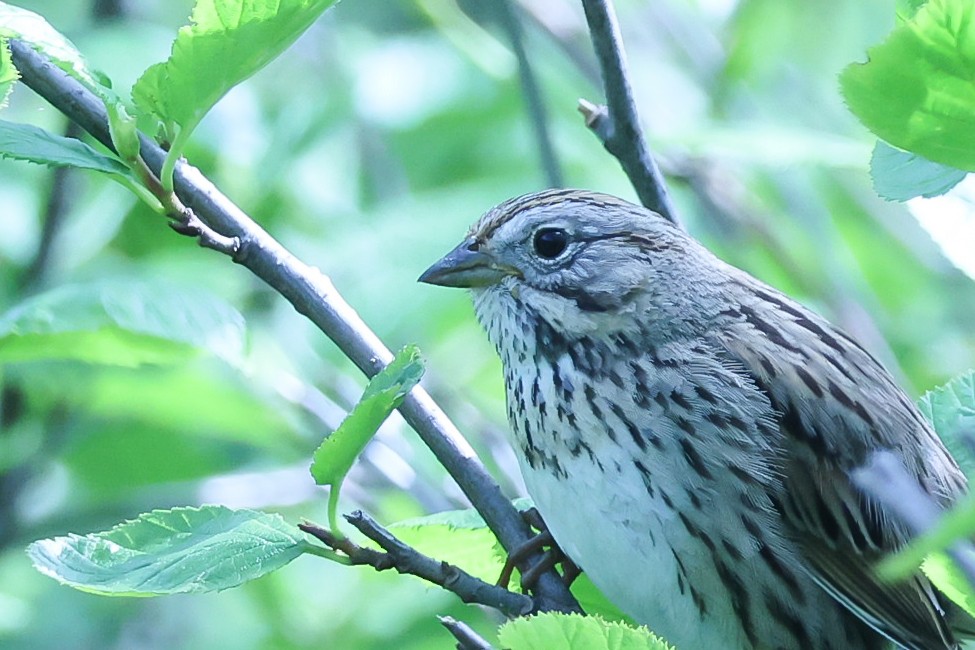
(33,144)
(227,42)
(951,410)
(334,457)
(121,322)
(31,28)
(183,550)
(917,90)
(900,175)
(8,73)
(555,631)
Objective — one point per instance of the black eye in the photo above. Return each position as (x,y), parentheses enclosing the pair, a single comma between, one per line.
(549,243)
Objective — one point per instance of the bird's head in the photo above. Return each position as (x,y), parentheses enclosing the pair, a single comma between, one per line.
(579,260)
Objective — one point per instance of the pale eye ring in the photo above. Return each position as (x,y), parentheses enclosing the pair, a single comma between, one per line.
(549,243)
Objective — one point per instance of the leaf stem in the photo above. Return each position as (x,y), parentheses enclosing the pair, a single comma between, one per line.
(333,510)
(327,553)
(166,173)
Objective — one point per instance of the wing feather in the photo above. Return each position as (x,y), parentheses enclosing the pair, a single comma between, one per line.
(835,405)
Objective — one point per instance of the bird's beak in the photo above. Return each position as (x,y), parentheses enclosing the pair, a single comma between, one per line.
(466,267)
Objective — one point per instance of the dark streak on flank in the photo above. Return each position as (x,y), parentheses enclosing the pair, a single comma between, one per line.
(694,459)
(801,319)
(766,328)
(789,621)
(645,475)
(630,427)
(739,599)
(809,381)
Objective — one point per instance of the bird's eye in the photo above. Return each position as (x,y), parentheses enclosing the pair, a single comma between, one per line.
(549,243)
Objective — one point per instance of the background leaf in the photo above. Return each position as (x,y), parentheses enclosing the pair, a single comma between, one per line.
(457,536)
(184,550)
(900,175)
(951,409)
(26,142)
(16,22)
(121,322)
(551,631)
(228,41)
(917,91)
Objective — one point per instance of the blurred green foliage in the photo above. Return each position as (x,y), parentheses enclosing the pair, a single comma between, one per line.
(367,149)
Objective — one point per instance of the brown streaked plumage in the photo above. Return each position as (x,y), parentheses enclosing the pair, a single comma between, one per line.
(688,432)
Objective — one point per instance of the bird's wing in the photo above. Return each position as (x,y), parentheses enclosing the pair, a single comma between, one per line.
(843,537)
(835,404)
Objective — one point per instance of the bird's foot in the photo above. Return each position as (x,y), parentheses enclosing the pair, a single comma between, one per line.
(542,542)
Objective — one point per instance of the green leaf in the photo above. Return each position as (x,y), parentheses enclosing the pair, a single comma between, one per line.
(227,42)
(8,73)
(462,538)
(951,410)
(334,457)
(122,323)
(917,91)
(939,568)
(38,33)
(183,550)
(899,175)
(33,144)
(459,537)
(554,631)
(907,8)
(595,603)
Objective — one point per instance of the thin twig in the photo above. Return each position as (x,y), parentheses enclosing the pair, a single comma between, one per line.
(511,24)
(58,202)
(467,638)
(550,24)
(312,295)
(407,560)
(618,125)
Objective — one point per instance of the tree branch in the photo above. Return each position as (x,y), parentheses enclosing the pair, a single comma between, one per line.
(467,638)
(617,124)
(405,559)
(312,295)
